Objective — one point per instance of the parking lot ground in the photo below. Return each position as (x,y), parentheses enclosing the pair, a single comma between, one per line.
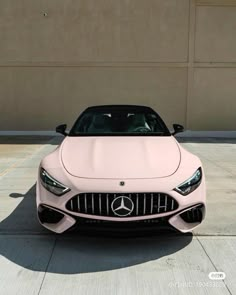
(36,261)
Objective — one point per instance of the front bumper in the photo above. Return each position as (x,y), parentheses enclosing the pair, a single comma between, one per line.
(53,214)
(59,221)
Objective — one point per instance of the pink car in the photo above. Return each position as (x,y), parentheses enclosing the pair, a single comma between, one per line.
(120,167)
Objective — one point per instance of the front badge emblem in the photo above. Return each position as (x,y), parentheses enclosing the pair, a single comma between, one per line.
(122,206)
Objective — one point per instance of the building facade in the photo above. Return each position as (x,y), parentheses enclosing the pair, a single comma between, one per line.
(59,56)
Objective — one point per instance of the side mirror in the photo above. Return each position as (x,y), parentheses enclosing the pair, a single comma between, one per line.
(61,129)
(177,128)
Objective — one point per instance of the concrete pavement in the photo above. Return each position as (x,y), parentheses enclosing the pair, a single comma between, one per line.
(35,261)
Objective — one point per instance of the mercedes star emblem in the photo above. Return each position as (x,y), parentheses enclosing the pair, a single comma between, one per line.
(122,206)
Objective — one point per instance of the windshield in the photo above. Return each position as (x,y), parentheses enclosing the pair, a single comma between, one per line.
(119,121)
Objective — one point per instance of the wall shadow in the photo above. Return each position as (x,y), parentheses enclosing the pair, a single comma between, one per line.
(30,139)
(55,140)
(210,140)
(25,242)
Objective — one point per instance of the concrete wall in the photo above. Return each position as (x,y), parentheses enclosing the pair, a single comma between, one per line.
(59,56)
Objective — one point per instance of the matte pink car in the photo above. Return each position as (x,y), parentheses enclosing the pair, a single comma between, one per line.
(120,167)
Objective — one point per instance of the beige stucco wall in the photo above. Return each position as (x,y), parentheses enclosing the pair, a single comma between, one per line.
(178,56)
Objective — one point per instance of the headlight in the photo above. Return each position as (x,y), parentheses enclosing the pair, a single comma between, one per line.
(190,184)
(51,184)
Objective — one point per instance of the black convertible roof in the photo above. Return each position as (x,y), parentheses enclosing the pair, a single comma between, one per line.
(120,106)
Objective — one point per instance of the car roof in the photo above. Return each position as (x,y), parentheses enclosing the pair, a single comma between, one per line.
(119,107)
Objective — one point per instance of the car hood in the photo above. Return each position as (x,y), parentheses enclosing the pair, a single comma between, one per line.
(120,157)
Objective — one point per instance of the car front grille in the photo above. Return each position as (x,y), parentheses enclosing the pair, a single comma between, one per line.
(103,204)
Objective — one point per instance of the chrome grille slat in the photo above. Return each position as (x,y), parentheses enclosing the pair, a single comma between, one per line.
(144,204)
(172,204)
(165,203)
(151,204)
(78,202)
(107,203)
(71,203)
(85,203)
(136,204)
(164,207)
(93,203)
(100,204)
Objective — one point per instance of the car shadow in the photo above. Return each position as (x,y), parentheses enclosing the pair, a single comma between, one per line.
(26,243)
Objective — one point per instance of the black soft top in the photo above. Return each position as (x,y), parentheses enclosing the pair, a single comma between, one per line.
(136,108)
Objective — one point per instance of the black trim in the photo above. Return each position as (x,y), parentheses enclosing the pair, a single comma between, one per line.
(193,215)
(115,106)
(122,227)
(119,135)
(49,215)
(129,227)
(75,216)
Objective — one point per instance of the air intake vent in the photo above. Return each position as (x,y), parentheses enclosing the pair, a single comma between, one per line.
(193,215)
